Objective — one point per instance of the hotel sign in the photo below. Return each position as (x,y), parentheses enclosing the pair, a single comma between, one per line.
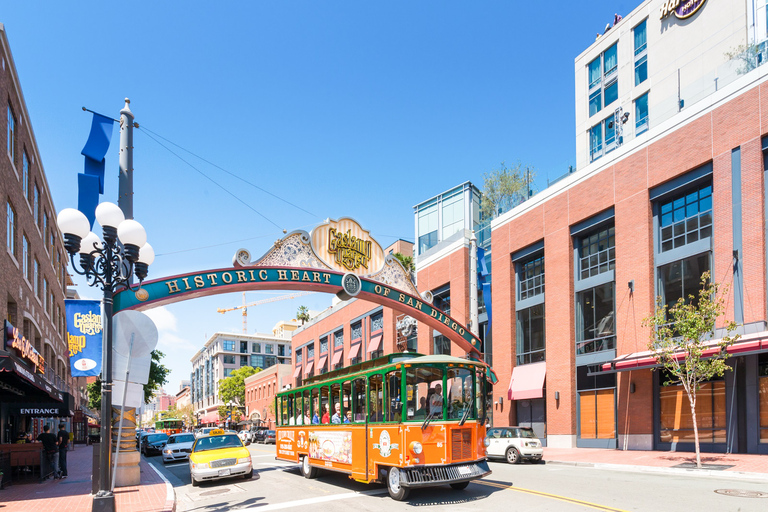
(23,347)
(681,8)
(345,246)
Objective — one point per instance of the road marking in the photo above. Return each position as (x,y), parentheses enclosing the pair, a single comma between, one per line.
(269,455)
(170,496)
(311,501)
(548,495)
(176,465)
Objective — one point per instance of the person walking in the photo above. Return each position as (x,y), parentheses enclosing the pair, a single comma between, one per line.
(62,439)
(51,450)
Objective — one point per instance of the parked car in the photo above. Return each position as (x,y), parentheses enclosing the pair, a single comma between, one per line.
(513,444)
(141,435)
(219,455)
(245,436)
(178,447)
(153,443)
(258,435)
(204,431)
(269,437)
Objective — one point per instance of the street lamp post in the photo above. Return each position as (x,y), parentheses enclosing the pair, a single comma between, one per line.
(109,264)
(231,404)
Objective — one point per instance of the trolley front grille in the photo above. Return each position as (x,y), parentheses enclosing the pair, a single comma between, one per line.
(461,444)
(433,475)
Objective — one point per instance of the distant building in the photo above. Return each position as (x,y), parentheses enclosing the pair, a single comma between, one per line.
(260,392)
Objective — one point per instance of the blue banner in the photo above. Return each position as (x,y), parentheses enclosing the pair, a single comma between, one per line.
(84,331)
(482,283)
(98,139)
(90,183)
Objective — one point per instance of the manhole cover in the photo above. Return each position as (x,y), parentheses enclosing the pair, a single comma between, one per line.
(741,493)
(214,492)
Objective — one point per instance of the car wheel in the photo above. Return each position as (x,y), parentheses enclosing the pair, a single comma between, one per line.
(396,491)
(306,470)
(460,485)
(248,475)
(195,483)
(513,456)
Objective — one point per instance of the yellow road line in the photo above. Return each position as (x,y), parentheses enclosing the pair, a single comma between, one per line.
(548,495)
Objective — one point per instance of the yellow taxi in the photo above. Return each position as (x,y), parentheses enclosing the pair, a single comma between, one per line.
(219,455)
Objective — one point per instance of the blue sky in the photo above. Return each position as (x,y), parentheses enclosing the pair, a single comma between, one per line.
(359,109)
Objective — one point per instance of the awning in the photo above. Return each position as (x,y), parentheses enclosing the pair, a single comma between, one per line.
(354,351)
(211,417)
(308,369)
(297,372)
(746,345)
(11,365)
(321,363)
(527,381)
(375,342)
(337,357)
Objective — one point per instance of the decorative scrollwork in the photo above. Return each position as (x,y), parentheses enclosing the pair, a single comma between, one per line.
(292,251)
(106,266)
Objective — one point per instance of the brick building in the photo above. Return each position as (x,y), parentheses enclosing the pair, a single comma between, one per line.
(33,276)
(260,392)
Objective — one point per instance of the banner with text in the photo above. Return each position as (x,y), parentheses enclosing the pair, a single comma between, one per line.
(84,331)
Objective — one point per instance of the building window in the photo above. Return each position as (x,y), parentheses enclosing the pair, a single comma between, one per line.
(45,294)
(228,345)
(682,278)
(243,347)
(602,137)
(686,218)
(11,140)
(255,347)
(298,356)
(597,405)
(356,331)
(597,253)
(377,322)
(323,344)
(676,418)
(258,361)
(25,175)
(595,330)
(427,223)
(453,213)
(269,348)
(762,375)
(10,229)
(243,361)
(229,359)
(641,114)
(603,80)
(441,345)
(311,352)
(530,335)
(228,372)
(36,205)
(338,339)
(36,277)
(281,351)
(531,278)
(641,53)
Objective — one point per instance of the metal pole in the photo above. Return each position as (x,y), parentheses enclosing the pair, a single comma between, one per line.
(125,180)
(104,501)
(122,408)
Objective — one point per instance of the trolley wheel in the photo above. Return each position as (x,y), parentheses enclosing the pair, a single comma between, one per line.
(306,470)
(513,456)
(396,491)
(460,485)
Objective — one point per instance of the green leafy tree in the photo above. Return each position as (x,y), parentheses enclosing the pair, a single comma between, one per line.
(158,375)
(505,188)
(224,411)
(406,262)
(682,342)
(232,388)
(302,314)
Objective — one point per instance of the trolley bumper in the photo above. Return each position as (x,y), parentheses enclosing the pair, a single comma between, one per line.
(428,476)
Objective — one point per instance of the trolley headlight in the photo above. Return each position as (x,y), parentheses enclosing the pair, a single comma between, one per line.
(487,442)
(416,447)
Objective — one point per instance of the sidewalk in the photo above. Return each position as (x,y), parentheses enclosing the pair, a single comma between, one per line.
(713,464)
(73,494)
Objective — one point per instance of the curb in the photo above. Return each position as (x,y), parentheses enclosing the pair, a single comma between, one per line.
(170,497)
(711,473)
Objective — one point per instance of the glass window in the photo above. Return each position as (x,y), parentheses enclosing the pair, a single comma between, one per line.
(460,394)
(596,142)
(36,205)
(228,372)
(676,417)
(325,416)
(603,82)
(641,114)
(453,214)
(323,344)
(762,373)
(25,256)
(610,61)
(641,53)
(25,175)
(338,339)
(597,253)
(682,278)
(36,277)
(530,335)
(310,352)
(376,400)
(243,347)
(359,404)
(315,406)
(11,139)
(441,345)
(243,360)
(394,409)
(228,345)
(686,218)
(594,73)
(611,93)
(356,331)
(335,404)
(10,229)
(420,383)
(427,226)
(531,278)
(595,329)
(298,355)
(269,348)
(281,351)
(255,347)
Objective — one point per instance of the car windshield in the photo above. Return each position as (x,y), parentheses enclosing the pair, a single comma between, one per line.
(527,433)
(152,438)
(186,438)
(216,442)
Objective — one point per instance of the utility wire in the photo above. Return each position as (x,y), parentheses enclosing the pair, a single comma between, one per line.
(214,182)
(143,127)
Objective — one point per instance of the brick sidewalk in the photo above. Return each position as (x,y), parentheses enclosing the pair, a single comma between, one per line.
(742,463)
(73,494)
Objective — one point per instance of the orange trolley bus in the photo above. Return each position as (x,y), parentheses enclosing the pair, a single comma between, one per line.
(407,419)
(169,426)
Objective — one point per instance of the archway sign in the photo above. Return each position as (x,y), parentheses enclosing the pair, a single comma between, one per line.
(337,257)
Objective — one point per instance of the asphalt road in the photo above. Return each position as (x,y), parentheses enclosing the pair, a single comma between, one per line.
(279,486)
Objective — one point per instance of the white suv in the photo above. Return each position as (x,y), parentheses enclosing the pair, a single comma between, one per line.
(513,444)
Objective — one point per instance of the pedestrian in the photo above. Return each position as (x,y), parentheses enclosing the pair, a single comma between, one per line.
(51,450)
(63,441)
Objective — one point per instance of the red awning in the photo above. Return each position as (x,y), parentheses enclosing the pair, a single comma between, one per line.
(308,369)
(748,344)
(354,350)
(321,364)
(527,381)
(211,417)
(297,372)
(337,357)
(375,343)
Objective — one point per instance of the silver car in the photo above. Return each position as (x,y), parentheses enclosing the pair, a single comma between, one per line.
(178,447)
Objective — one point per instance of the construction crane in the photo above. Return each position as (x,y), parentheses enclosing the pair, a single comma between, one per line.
(245,306)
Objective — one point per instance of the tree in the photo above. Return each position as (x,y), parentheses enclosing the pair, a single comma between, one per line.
(505,188)
(746,56)
(232,388)
(224,411)
(302,314)
(406,262)
(158,375)
(681,340)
